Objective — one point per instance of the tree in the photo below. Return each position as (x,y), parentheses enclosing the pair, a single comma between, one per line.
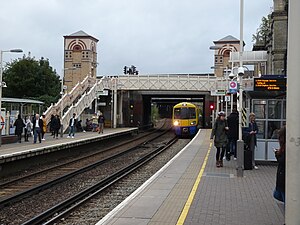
(30,78)
(262,33)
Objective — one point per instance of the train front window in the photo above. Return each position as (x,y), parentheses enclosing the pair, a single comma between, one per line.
(185,113)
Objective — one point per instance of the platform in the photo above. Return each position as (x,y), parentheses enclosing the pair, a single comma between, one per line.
(190,190)
(16,151)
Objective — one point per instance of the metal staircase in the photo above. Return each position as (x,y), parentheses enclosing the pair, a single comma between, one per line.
(70,98)
(85,100)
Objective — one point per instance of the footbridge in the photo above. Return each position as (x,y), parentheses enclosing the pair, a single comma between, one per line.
(86,92)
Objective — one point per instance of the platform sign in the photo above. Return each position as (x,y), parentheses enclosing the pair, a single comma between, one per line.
(270,84)
(101,103)
(227,98)
(2,122)
(218,92)
(233,87)
(102,93)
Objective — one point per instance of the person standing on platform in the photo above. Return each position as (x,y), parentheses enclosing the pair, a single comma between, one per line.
(253,130)
(28,128)
(72,125)
(233,132)
(101,120)
(95,122)
(220,137)
(37,128)
(56,126)
(19,124)
(44,128)
(51,124)
(279,192)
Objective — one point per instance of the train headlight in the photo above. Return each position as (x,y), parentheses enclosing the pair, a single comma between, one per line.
(193,123)
(176,123)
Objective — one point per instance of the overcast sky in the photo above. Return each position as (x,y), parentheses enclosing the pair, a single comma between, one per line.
(157,36)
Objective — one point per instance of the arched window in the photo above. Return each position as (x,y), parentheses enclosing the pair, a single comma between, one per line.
(227,53)
(77,48)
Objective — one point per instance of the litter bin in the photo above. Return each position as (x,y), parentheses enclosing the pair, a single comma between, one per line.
(247,152)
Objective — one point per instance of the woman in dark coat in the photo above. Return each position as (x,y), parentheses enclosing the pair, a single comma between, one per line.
(253,130)
(219,133)
(279,192)
(19,124)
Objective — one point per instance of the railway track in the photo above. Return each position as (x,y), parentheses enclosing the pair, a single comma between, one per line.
(66,207)
(21,187)
(8,203)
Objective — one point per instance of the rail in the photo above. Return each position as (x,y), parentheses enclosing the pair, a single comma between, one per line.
(62,209)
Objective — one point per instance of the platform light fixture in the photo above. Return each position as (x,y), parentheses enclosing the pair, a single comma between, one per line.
(3,84)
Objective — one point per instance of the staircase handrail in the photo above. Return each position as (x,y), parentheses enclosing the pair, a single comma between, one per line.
(85,100)
(69,98)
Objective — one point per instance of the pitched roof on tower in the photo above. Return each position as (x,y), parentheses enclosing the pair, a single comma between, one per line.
(80,34)
(228,38)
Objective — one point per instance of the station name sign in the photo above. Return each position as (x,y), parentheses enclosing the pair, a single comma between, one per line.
(269,84)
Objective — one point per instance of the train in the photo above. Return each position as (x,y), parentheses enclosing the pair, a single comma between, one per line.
(185,119)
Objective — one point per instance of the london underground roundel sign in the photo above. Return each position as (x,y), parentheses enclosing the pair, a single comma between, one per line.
(233,85)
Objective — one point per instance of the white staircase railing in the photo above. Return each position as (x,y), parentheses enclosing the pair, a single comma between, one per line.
(85,101)
(69,98)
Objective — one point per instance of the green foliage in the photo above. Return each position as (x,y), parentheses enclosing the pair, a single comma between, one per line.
(33,79)
(154,112)
(262,33)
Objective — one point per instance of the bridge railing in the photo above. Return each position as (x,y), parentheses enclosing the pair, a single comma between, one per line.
(171,82)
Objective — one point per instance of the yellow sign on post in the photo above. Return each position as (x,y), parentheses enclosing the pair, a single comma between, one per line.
(245,121)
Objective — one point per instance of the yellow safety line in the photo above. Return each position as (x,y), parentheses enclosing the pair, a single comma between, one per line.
(193,191)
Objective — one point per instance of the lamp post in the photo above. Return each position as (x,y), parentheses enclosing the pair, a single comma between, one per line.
(2,84)
(240,142)
(63,87)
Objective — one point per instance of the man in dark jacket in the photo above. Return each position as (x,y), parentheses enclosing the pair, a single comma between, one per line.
(37,128)
(19,124)
(56,126)
(233,133)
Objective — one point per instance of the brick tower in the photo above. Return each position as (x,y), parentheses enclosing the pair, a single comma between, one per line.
(80,58)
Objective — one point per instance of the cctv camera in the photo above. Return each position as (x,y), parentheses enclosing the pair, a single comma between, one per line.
(231,75)
(3,84)
(241,71)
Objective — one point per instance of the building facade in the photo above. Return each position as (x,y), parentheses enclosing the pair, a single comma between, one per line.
(80,58)
(222,48)
(277,46)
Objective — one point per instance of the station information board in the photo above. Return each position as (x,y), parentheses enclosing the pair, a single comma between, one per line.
(269,84)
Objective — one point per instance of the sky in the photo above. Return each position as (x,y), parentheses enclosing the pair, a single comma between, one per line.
(157,36)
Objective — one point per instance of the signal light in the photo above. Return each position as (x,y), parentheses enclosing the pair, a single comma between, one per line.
(211,106)
(125,69)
